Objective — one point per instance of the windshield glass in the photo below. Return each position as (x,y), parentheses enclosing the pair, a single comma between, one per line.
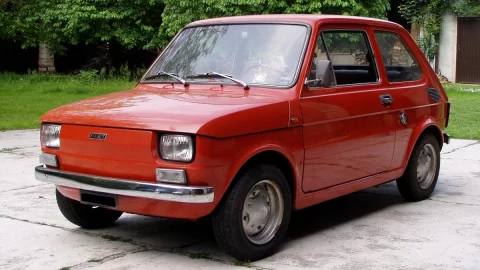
(257,54)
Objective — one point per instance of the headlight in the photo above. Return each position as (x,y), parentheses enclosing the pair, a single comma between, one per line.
(176,147)
(50,135)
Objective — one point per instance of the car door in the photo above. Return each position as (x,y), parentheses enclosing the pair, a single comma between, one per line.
(349,130)
(408,86)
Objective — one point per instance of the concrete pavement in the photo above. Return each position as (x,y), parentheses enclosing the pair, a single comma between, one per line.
(372,229)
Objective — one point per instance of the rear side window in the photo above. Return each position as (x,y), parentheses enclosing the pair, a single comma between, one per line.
(399,61)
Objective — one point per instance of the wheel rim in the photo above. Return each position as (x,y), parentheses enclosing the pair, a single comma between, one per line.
(262,212)
(427,166)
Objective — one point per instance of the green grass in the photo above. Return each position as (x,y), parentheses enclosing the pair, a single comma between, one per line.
(115,238)
(242,263)
(24,98)
(464,111)
(199,255)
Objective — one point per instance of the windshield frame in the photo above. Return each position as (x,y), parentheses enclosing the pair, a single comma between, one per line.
(296,73)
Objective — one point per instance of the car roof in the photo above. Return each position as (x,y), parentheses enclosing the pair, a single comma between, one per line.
(310,19)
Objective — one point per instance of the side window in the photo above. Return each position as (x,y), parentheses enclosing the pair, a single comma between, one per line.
(350,55)
(399,61)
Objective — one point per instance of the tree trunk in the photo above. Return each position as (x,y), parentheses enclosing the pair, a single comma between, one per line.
(46,62)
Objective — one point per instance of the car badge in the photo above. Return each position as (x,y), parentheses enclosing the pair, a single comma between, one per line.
(98,136)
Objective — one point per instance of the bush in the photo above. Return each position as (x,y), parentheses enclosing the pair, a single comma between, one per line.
(88,75)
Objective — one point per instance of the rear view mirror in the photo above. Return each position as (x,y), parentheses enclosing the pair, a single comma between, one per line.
(323,74)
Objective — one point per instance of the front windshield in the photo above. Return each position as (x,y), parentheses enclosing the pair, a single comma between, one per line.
(257,54)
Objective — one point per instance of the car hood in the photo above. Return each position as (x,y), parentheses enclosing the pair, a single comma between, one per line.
(205,110)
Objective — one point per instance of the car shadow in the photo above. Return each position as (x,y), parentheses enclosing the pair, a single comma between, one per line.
(338,211)
(196,237)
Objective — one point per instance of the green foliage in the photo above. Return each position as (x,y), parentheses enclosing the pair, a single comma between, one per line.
(88,75)
(132,23)
(366,8)
(144,23)
(19,22)
(427,44)
(429,15)
(4,18)
(179,13)
(466,7)
(121,73)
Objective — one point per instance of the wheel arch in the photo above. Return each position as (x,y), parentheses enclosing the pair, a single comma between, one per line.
(273,156)
(429,127)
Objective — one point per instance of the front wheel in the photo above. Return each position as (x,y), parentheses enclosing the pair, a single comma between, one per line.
(421,174)
(86,216)
(253,218)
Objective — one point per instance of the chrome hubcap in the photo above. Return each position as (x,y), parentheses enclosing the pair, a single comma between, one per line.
(427,166)
(262,212)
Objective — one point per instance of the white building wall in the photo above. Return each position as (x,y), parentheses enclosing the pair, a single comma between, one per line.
(448,47)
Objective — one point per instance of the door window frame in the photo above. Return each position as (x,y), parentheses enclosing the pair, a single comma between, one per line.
(366,31)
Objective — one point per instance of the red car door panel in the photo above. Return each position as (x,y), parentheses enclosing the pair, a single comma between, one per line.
(347,136)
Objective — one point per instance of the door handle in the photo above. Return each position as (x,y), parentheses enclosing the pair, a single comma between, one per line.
(387,100)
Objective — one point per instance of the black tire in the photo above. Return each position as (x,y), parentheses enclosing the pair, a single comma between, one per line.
(409,185)
(86,216)
(227,218)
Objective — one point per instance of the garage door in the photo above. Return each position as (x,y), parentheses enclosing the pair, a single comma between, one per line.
(468,53)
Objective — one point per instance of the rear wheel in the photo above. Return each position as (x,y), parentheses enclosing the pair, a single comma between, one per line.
(86,216)
(421,174)
(253,218)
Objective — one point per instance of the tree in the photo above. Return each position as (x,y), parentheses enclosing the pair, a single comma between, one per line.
(429,14)
(143,23)
(465,7)
(52,24)
(4,18)
(129,23)
(20,22)
(132,23)
(179,13)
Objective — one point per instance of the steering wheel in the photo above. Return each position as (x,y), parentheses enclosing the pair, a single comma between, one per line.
(279,71)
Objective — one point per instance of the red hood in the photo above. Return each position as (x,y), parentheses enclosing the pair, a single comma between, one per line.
(200,109)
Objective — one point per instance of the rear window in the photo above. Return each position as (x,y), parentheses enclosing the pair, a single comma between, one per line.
(399,61)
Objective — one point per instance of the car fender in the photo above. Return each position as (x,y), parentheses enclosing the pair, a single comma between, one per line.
(292,153)
(416,133)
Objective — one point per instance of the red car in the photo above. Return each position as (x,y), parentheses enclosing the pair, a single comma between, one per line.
(246,119)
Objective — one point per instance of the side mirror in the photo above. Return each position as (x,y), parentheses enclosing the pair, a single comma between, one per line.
(323,74)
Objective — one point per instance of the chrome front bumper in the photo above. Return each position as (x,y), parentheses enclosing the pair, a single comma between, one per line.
(124,187)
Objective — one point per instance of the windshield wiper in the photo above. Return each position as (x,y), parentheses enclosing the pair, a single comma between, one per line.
(172,75)
(216,74)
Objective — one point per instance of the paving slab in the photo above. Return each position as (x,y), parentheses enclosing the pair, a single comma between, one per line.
(372,229)
(28,245)
(156,260)
(19,139)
